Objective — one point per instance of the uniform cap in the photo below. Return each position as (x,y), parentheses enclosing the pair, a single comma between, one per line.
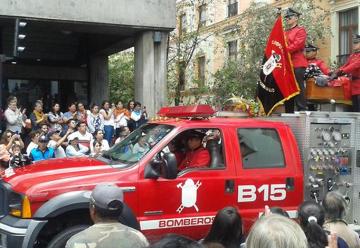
(195,134)
(311,48)
(108,197)
(290,12)
(356,38)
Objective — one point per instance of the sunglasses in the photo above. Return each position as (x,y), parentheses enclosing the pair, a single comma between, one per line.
(289,17)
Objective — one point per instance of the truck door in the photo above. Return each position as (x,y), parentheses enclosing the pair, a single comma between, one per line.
(268,171)
(187,205)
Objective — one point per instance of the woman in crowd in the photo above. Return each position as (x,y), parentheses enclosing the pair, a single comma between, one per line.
(107,114)
(95,121)
(276,231)
(226,229)
(312,218)
(81,113)
(124,132)
(9,139)
(137,117)
(121,117)
(335,211)
(56,117)
(4,152)
(37,117)
(14,117)
(96,151)
(131,106)
(99,139)
(74,149)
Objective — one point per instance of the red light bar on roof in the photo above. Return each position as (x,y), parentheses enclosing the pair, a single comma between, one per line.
(194,111)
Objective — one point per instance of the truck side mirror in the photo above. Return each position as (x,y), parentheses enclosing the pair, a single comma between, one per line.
(164,165)
(153,170)
(170,166)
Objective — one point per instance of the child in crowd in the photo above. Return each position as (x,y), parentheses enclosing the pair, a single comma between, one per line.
(18,159)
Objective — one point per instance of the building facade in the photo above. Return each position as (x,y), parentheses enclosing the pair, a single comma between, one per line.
(58,50)
(219,43)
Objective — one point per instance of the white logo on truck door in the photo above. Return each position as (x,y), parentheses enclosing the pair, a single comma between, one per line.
(249,193)
(188,195)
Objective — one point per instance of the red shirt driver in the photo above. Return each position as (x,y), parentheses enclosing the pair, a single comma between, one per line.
(196,156)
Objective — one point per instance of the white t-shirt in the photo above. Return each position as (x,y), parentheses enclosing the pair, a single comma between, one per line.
(59,152)
(31,146)
(84,139)
(121,120)
(109,122)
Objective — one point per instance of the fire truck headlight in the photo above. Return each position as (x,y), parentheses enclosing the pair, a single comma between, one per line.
(19,205)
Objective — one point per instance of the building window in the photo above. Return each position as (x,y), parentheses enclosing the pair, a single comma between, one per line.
(201,71)
(182,24)
(232,50)
(348,26)
(232,8)
(202,15)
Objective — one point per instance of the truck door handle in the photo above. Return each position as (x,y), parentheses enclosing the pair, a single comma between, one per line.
(229,186)
(290,183)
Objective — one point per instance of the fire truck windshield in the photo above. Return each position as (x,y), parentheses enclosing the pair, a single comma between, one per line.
(137,144)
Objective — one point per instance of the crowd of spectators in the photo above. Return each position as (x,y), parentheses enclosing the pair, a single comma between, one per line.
(317,226)
(37,135)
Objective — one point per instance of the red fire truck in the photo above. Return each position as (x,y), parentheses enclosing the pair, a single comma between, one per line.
(253,163)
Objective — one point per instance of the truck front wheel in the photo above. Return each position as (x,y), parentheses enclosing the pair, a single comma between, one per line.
(59,241)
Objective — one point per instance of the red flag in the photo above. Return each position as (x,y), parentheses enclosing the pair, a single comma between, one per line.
(278,82)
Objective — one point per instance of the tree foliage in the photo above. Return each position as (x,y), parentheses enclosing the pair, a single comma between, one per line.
(183,45)
(240,78)
(121,76)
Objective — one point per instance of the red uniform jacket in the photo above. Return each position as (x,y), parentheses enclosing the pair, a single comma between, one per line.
(197,158)
(352,67)
(296,39)
(321,64)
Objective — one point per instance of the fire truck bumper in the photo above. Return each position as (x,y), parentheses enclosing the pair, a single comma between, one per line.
(19,233)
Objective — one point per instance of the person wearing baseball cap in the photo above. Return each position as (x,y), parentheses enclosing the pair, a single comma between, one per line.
(56,142)
(74,149)
(106,205)
(196,155)
(310,54)
(352,69)
(42,152)
(296,39)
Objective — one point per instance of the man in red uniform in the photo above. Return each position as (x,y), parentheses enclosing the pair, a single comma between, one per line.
(310,54)
(296,39)
(352,68)
(196,155)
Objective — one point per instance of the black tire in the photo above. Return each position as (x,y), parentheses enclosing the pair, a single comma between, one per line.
(59,241)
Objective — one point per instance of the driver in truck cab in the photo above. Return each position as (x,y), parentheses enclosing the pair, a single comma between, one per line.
(196,155)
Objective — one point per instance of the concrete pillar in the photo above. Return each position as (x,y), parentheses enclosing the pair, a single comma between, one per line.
(99,80)
(150,71)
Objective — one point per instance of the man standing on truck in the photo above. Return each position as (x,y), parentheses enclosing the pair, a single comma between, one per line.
(106,205)
(196,155)
(296,39)
(352,68)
